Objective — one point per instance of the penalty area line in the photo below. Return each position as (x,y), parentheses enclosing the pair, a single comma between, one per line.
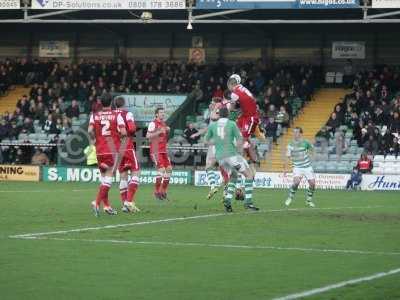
(229,246)
(177,219)
(338,285)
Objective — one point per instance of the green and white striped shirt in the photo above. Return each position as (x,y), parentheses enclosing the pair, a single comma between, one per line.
(299,152)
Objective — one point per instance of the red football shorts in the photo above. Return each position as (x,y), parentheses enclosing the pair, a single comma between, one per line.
(161,160)
(105,161)
(247,125)
(129,162)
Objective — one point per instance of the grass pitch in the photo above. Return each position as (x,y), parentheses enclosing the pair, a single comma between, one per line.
(262,255)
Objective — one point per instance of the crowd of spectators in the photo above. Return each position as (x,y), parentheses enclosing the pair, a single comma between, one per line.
(371,111)
(61,93)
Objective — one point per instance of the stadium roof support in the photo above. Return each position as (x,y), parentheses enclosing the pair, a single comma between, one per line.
(195,16)
(194,21)
(53,13)
(217,14)
(388,14)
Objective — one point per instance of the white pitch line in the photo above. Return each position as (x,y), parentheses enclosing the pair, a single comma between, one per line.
(337,285)
(180,219)
(117,225)
(195,244)
(46,191)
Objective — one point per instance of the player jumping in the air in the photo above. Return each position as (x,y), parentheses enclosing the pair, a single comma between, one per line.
(157,134)
(249,119)
(299,151)
(226,137)
(106,127)
(211,161)
(129,162)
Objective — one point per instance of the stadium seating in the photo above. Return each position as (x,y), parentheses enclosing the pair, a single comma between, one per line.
(375,102)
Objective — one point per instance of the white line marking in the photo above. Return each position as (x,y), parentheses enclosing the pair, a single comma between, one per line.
(117,225)
(181,219)
(195,244)
(338,285)
(46,191)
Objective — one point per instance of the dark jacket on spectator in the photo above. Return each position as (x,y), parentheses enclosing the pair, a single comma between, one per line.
(187,135)
(72,112)
(271,129)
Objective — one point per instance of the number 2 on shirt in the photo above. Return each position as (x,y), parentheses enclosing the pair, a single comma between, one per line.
(105,128)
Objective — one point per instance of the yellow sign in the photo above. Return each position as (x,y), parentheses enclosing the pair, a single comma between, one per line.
(19,173)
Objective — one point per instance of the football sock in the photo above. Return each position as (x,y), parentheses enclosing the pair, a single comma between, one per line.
(165,182)
(132,188)
(102,195)
(248,188)
(229,192)
(157,186)
(310,193)
(211,179)
(292,191)
(123,189)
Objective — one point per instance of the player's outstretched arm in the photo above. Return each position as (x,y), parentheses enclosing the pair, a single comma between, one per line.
(199,133)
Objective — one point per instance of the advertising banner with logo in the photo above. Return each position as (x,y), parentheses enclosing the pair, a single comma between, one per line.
(280,180)
(53,49)
(381,183)
(108,4)
(385,3)
(276,4)
(348,50)
(143,106)
(19,173)
(82,174)
(10,4)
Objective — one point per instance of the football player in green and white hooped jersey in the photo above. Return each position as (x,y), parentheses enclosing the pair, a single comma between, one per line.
(299,151)
(226,137)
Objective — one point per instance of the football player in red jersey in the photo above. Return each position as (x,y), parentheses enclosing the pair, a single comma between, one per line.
(249,119)
(129,161)
(157,134)
(106,128)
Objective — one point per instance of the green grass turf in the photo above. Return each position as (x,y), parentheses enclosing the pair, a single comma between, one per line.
(78,269)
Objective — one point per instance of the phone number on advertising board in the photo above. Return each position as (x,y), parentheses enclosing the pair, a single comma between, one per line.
(157,4)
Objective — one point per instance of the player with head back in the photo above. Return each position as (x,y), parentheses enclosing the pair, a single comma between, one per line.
(226,137)
(106,128)
(299,150)
(157,134)
(129,161)
(249,119)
